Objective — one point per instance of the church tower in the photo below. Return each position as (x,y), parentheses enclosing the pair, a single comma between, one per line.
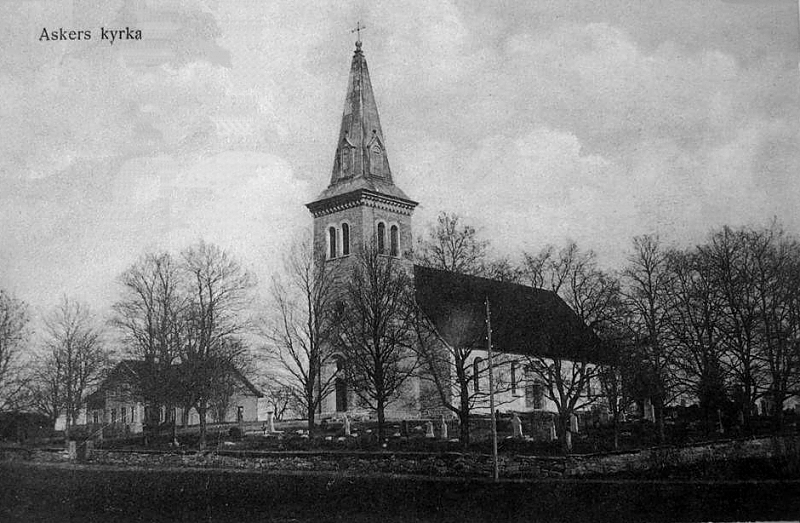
(361,204)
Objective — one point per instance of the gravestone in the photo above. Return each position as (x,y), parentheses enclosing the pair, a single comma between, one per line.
(649,411)
(573,423)
(516,427)
(271,421)
(72,450)
(346,425)
(444,428)
(404,428)
(89,449)
(552,432)
(429,429)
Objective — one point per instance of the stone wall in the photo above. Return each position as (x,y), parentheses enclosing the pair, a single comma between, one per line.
(435,464)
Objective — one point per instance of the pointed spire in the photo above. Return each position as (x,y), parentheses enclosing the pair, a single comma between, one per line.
(360,151)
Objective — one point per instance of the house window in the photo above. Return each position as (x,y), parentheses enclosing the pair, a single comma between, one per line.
(95,417)
(476,369)
(394,241)
(381,238)
(332,242)
(345,239)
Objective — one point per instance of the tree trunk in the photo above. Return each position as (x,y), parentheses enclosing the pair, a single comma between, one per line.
(463,415)
(311,412)
(564,433)
(201,411)
(381,420)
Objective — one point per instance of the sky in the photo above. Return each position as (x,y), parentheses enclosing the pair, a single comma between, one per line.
(534,121)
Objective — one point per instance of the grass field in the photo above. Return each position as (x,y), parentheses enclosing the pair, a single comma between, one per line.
(61,493)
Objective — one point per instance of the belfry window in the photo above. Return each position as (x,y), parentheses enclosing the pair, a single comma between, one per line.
(332,242)
(381,238)
(345,239)
(394,241)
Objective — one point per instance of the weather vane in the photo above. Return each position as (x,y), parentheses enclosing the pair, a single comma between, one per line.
(358,29)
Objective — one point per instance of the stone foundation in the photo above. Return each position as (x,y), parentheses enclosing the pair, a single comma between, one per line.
(451,464)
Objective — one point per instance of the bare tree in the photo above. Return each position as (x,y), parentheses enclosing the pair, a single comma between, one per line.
(283,400)
(150,318)
(732,269)
(449,365)
(452,246)
(776,258)
(377,330)
(646,292)
(74,348)
(13,337)
(217,292)
(594,296)
(302,330)
(45,387)
(694,317)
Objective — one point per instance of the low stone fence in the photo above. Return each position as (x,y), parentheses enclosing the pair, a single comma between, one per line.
(451,464)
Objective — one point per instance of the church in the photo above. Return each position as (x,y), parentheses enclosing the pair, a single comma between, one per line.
(363,205)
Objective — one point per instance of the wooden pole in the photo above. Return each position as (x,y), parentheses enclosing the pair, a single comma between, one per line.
(491,390)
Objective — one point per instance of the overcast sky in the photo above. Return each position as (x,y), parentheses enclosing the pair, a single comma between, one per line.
(537,121)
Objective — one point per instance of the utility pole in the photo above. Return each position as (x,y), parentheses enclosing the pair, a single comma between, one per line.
(491,390)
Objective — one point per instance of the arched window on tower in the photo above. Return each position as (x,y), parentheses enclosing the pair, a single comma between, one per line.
(394,241)
(331,242)
(345,239)
(476,373)
(381,238)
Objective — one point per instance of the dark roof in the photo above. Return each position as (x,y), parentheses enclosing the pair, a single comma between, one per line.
(525,320)
(129,371)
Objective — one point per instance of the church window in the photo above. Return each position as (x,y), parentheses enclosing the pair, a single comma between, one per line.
(113,416)
(331,242)
(514,378)
(95,417)
(376,160)
(124,411)
(381,238)
(476,376)
(394,241)
(345,239)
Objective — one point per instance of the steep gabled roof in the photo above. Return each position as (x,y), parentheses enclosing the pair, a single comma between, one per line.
(131,371)
(525,320)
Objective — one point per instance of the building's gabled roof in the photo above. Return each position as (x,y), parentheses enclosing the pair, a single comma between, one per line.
(129,372)
(525,320)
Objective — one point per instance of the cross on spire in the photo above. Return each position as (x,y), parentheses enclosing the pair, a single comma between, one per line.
(357,30)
